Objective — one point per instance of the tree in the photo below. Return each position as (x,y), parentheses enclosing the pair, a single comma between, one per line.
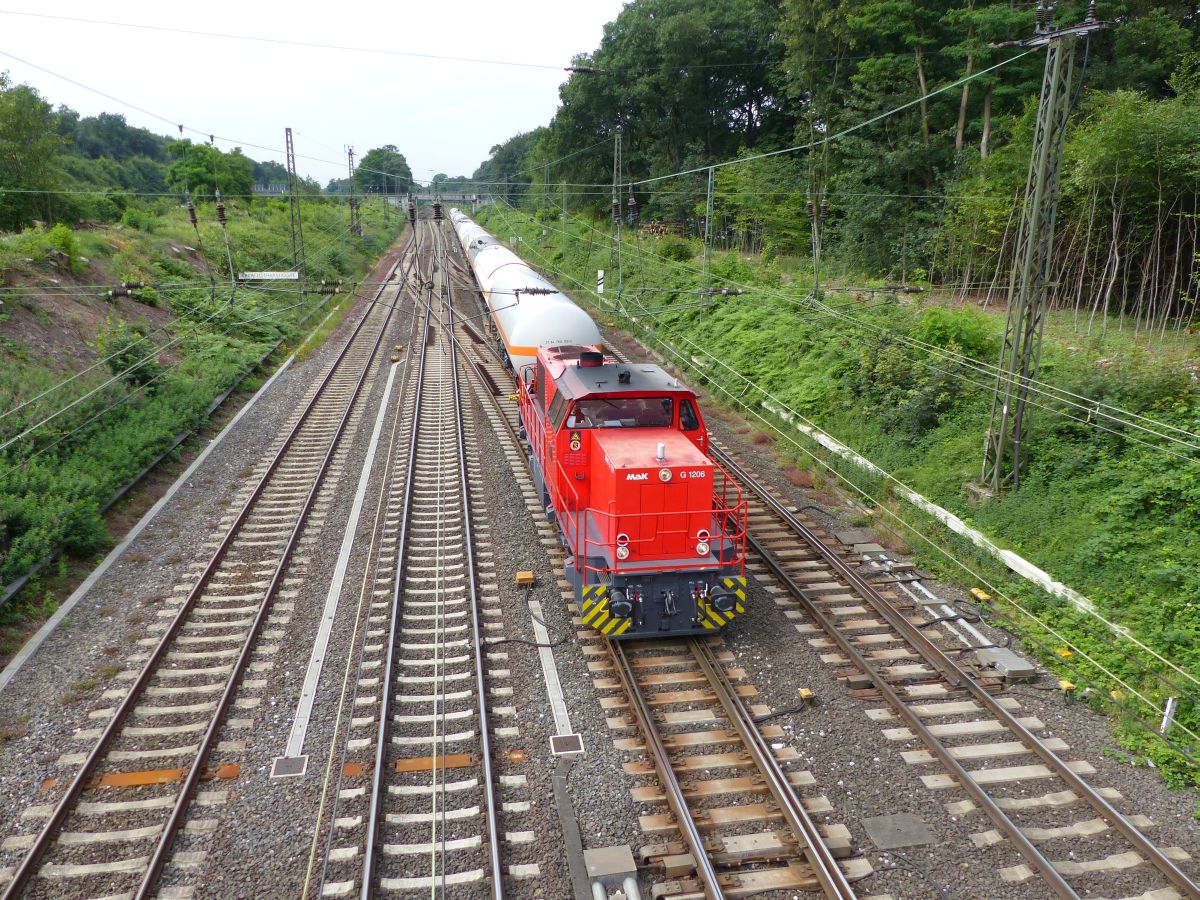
(270,173)
(383,170)
(29,145)
(202,170)
(507,169)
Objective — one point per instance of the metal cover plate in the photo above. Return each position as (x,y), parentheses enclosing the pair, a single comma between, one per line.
(566,744)
(605,862)
(1007,663)
(289,766)
(899,830)
(855,536)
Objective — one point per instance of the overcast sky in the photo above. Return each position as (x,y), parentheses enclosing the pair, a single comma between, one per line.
(443,116)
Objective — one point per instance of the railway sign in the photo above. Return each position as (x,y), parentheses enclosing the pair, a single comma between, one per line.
(268,276)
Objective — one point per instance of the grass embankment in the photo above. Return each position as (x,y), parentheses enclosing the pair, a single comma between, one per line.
(1111,517)
(123,377)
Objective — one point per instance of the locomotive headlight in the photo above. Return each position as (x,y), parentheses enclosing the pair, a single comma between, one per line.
(664,475)
(622,546)
(702,548)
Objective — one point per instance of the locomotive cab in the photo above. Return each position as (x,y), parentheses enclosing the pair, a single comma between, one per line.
(654,529)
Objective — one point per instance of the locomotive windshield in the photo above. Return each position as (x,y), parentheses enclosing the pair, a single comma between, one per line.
(622,412)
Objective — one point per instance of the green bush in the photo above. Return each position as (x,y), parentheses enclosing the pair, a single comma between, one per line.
(965,330)
(139,219)
(676,249)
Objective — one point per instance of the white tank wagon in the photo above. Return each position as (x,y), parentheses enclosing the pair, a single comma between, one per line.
(528,310)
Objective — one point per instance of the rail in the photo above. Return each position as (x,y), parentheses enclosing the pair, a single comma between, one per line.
(833,880)
(662,766)
(958,677)
(29,863)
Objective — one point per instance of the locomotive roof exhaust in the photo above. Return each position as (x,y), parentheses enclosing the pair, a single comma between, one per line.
(590,359)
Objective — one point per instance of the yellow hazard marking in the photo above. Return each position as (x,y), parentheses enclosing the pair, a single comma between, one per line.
(596,613)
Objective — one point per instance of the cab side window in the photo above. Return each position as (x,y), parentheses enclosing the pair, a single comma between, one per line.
(688,420)
(558,409)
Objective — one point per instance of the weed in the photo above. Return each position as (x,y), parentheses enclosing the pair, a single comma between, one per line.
(108,671)
(797,476)
(12,729)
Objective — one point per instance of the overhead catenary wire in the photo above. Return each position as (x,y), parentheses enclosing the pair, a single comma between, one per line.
(841,134)
(1083,404)
(173,122)
(155,351)
(1111,626)
(287,42)
(740,401)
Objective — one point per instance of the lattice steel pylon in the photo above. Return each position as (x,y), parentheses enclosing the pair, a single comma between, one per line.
(298,261)
(1008,431)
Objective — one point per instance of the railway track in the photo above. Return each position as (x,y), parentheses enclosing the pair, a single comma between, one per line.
(746,832)
(731,796)
(419,805)
(885,648)
(118,825)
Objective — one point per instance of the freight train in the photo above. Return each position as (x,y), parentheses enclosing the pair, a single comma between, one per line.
(654,529)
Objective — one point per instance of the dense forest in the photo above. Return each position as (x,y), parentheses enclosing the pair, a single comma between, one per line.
(930,190)
(58,166)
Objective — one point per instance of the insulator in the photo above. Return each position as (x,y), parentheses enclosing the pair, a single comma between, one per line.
(824,209)
(633,211)
(616,210)
(192,212)
(212,139)
(221,212)
(437,212)
(808,208)
(1091,13)
(132,285)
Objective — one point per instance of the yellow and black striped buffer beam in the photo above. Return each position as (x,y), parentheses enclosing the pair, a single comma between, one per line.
(711,617)
(594,606)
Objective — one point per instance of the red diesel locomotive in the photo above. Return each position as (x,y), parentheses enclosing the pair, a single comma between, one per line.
(655,531)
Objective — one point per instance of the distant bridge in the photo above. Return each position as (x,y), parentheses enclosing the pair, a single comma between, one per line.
(428,196)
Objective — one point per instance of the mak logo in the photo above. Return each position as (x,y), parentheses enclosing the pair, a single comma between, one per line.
(638,476)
